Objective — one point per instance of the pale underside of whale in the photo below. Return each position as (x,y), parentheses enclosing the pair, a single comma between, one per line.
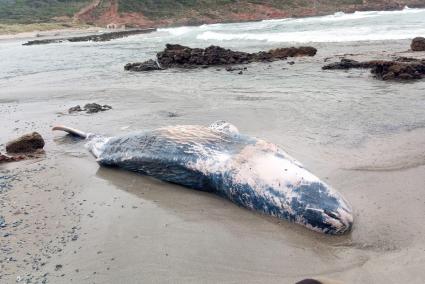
(251,172)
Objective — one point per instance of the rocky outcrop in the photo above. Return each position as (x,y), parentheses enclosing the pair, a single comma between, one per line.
(96,37)
(175,55)
(283,53)
(27,143)
(418,44)
(403,68)
(394,70)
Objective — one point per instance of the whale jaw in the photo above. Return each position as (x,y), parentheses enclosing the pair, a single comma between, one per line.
(321,209)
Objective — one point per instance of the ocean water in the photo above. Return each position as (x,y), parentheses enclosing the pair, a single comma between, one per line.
(301,100)
(339,27)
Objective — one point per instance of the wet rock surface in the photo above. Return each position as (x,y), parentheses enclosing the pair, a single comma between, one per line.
(403,68)
(28,143)
(345,64)
(96,38)
(90,108)
(179,56)
(149,65)
(418,44)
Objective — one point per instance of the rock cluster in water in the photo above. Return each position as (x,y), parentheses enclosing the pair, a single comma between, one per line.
(96,37)
(403,68)
(418,44)
(175,55)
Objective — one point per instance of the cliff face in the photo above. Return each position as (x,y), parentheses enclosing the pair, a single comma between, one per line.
(148,13)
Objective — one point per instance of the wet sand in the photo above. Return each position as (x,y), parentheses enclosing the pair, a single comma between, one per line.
(68,220)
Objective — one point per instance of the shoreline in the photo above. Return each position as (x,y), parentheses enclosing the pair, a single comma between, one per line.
(89,29)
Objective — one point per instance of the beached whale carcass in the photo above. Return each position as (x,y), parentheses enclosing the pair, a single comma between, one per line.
(249,171)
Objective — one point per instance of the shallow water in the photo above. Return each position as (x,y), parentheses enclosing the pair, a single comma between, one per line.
(363,136)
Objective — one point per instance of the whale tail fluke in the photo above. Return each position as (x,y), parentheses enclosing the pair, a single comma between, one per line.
(71,131)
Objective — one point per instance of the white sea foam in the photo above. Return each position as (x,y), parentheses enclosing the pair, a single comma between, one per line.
(177,31)
(339,27)
(328,35)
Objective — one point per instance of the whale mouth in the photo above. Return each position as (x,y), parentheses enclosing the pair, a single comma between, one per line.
(341,220)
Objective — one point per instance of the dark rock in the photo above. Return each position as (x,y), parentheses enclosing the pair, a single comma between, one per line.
(94,108)
(283,53)
(75,109)
(175,55)
(400,69)
(344,64)
(390,70)
(90,108)
(291,62)
(26,144)
(149,65)
(240,72)
(96,37)
(418,44)
(58,267)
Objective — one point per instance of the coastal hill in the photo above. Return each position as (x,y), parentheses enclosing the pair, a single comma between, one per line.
(156,13)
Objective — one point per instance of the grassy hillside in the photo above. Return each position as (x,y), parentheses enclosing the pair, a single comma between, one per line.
(36,11)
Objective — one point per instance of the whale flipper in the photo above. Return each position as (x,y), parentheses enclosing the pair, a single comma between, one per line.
(71,131)
(224,126)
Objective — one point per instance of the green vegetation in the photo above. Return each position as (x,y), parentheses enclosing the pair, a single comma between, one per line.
(38,11)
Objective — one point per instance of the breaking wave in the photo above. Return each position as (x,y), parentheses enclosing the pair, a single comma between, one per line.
(339,27)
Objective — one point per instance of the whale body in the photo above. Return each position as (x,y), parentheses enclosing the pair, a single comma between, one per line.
(250,172)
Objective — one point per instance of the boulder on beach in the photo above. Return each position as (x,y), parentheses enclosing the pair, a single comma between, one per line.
(27,143)
(175,55)
(418,44)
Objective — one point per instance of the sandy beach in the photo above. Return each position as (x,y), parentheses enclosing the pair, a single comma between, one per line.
(71,221)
